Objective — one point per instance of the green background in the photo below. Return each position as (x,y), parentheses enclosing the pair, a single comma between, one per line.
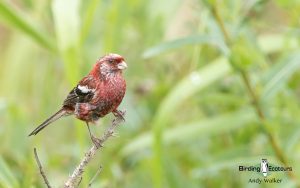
(211,85)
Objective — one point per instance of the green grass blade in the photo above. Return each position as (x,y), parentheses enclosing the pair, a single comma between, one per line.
(189,86)
(279,74)
(12,17)
(190,131)
(270,43)
(67,27)
(7,178)
(190,40)
(292,142)
(88,19)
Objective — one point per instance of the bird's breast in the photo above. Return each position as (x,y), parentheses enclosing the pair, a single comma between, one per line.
(109,95)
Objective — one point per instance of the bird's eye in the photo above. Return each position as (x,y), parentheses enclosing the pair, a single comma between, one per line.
(110,61)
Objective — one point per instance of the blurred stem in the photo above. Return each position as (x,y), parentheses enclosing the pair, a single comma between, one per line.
(255,99)
(12,17)
(260,114)
(220,22)
(41,169)
(88,19)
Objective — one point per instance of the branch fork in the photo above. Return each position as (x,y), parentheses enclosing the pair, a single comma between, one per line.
(76,176)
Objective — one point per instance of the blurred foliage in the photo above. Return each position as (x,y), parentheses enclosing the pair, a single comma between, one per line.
(189,122)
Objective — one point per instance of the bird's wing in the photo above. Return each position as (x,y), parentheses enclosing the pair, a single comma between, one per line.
(82,93)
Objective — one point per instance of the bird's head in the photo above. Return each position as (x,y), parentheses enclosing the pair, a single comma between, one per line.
(110,64)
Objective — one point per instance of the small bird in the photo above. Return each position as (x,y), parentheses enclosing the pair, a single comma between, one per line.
(96,95)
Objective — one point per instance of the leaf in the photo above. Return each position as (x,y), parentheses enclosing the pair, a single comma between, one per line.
(12,17)
(292,142)
(190,131)
(190,40)
(270,43)
(189,86)
(244,53)
(279,74)
(67,22)
(67,27)
(7,178)
(88,20)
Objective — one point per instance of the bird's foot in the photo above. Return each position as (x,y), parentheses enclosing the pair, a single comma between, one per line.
(119,114)
(97,141)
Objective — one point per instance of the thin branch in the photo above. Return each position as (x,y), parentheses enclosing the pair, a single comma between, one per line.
(95,176)
(41,169)
(256,101)
(77,173)
(221,24)
(277,150)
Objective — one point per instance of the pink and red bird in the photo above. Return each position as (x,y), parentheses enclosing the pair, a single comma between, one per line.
(96,95)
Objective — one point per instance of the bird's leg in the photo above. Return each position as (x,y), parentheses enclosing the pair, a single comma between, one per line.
(119,114)
(95,140)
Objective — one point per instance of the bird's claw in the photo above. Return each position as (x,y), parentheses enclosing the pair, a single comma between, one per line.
(97,142)
(122,112)
(119,114)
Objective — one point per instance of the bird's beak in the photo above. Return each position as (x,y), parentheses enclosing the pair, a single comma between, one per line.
(122,65)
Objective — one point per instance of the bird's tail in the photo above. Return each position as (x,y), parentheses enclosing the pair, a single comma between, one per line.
(51,119)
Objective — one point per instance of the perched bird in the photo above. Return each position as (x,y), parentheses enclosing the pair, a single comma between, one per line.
(97,94)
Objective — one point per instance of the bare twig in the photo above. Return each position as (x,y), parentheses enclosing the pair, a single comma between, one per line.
(95,176)
(77,173)
(41,169)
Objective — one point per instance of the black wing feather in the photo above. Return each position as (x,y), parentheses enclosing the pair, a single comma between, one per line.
(77,96)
